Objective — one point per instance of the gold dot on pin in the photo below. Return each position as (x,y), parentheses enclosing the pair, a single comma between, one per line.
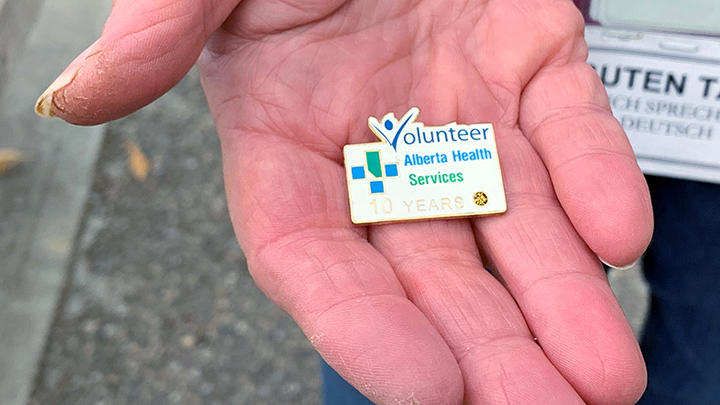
(480,198)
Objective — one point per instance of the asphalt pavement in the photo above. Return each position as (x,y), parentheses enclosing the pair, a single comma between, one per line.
(160,308)
(116,291)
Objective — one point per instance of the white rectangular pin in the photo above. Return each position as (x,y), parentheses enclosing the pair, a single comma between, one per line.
(417,172)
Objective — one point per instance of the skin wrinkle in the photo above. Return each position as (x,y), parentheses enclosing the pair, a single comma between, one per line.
(309,319)
(339,210)
(299,7)
(559,40)
(459,13)
(169,19)
(375,383)
(421,293)
(382,67)
(600,370)
(291,89)
(462,346)
(364,301)
(558,116)
(272,124)
(370,26)
(480,325)
(566,86)
(270,71)
(367,354)
(168,5)
(503,95)
(595,153)
(531,251)
(211,13)
(536,181)
(597,140)
(600,135)
(603,371)
(317,110)
(566,41)
(307,314)
(292,237)
(306,23)
(327,192)
(290,206)
(503,387)
(262,128)
(313,117)
(348,273)
(456,318)
(507,344)
(411,257)
(559,278)
(523,200)
(498,260)
(137,36)
(368,79)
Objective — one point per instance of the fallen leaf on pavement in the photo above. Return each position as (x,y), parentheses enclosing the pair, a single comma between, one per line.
(9,158)
(138,163)
(188,341)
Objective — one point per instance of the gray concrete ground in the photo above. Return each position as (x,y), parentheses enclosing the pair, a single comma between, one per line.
(158,306)
(16,20)
(161,308)
(633,294)
(114,291)
(42,200)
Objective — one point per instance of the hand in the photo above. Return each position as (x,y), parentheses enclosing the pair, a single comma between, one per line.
(406,312)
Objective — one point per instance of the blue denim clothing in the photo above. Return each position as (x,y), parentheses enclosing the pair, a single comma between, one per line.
(681,343)
(337,391)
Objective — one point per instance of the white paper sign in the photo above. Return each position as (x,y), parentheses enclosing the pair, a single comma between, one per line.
(696,16)
(421,172)
(665,91)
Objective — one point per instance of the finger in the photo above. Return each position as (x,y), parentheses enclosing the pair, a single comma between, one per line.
(555,278)
(290,210)
(558,282)
(145,49)
(566,116)
(441,271)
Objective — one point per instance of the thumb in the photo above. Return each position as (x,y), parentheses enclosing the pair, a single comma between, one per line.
(145,49)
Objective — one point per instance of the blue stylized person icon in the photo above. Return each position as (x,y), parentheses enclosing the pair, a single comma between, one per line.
(389,131)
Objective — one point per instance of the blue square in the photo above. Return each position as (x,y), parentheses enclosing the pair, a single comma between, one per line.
(377,187)
(391,170)
(358,172)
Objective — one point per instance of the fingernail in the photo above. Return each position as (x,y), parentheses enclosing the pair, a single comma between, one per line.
(44,104)
(628,267)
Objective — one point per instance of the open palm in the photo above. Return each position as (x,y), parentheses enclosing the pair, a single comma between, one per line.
(406,312)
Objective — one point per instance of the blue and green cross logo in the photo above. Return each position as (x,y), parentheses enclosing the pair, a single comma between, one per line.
(377,169)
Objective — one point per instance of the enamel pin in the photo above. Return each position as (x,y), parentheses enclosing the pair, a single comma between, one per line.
(419,172)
